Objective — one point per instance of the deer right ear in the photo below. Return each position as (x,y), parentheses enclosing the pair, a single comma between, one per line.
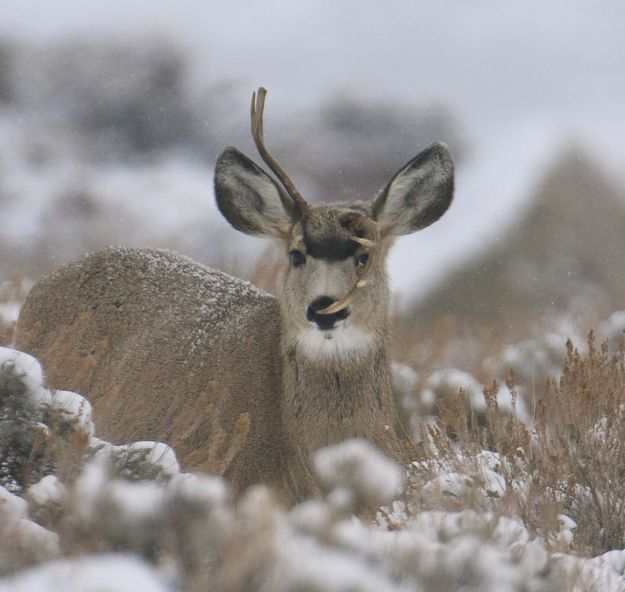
(249,198)
(419,193)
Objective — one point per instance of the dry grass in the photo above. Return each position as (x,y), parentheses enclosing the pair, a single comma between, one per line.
(571,461)
(579,455)
(12,293)
(6,334)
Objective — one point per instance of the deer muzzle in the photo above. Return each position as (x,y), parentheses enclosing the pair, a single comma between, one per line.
(325,321)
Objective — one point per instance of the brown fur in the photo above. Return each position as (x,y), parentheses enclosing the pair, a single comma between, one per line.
(132,331)
(168,349)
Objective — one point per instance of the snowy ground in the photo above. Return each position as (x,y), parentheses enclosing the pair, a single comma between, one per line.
(182,531)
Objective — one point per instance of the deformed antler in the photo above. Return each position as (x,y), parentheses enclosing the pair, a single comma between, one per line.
(371,248)
(256,113)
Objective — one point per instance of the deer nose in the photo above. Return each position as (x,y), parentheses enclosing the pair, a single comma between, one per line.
(325,321)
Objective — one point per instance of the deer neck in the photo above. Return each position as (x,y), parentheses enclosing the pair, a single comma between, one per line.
(333,397)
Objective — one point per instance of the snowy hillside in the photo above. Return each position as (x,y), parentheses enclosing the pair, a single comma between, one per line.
(61,205)
(516,90)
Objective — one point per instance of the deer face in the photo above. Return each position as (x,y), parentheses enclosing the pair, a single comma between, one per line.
(323,310)
(335,289)
(335,296)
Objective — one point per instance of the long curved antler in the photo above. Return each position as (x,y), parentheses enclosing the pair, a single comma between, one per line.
(256,115)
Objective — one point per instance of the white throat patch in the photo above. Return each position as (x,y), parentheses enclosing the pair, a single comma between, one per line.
(344,340)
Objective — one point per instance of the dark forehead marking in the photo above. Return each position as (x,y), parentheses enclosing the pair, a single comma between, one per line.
(327,235)
(331,247)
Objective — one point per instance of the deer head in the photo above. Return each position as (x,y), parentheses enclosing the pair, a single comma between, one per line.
(335,287)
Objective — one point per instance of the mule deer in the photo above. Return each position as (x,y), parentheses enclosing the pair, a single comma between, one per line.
(240,383)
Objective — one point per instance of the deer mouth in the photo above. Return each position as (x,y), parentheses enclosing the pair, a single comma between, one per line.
(327,323)
(322,320)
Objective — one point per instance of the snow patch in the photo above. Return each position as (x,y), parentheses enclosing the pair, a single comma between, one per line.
(73,407)
(358,467)
(103,573)
(30,371)
(9,311)
(158,454)
(12,506)
(48,489)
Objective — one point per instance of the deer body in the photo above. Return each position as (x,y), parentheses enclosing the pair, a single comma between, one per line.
(238,382)
(165,349)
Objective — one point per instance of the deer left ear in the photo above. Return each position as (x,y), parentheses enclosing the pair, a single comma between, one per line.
(249,198)
(419,193)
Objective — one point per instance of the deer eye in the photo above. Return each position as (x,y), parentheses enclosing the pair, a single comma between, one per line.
(297,258)
(361,260)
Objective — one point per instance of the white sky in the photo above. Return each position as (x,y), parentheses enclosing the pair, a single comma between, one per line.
(522,77)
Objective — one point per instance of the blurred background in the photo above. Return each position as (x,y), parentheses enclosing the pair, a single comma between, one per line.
(112,115)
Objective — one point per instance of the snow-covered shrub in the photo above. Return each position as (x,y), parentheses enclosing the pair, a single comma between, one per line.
(473,482)
(198,512)
(579,449)
(466,550)
(533,361)
(304,564)
(404,383)
(139,461)
(70,411)
(444,385)
(613,329)
(568,463)
(355,472)
(100,573)
(114,513)
(9,312)
(22,542)
(456,402)
(41,430)
(464,519)
(20,429)
(46,499)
